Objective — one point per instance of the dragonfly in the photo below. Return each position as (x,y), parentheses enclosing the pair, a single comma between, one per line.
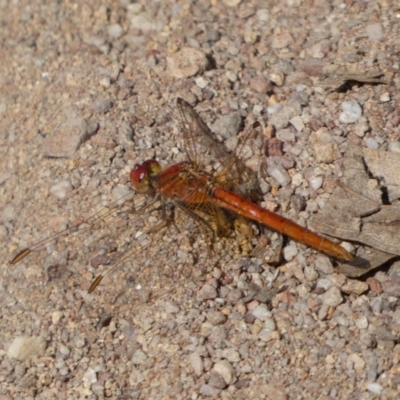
(207,187)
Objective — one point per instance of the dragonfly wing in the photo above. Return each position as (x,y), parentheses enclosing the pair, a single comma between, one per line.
(198,139)
(204,150)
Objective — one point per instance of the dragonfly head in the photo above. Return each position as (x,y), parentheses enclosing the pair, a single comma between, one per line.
(142,174)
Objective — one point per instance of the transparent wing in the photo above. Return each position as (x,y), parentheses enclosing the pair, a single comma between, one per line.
(205,151)
(142,246)
(51,258)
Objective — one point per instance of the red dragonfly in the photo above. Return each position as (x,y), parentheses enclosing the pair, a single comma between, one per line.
(207,194)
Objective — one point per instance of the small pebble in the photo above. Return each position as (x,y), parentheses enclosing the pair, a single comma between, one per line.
(361,129)
(56,316)
(216,317)
(290,252)
(201,82)
(325,148)
(225,369)
(297,122)
(260,84)
(394,146)
(355,287)
(209,391)
(89,377)
(372,143)
(375,388)
(352,112)
(228,125)
(64,350)
(362,322)
(231,355)
(356,362)
(277,77)
(139,357)
(208,292)
(63,371)
(186,63)
(316,182)
(217,381)
(332,297)
(310,274)
(297,179)
(323,264)
(115,31)
(261,312)
(105,81)
(23,347)
(61,190)
(269,324)
(197,363)
(278,172)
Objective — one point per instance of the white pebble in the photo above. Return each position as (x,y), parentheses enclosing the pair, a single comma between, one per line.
(115,31)
(225,369)
(56,316)
(375,388)
(261,311)
(332,297)
(269,325)
(89,378)
(231,355)
(372,143)
(263,14)
(290,252)
(278,173)
(105,81)
(197,363)
(64,350)
(298,123)
(316,182)
(362,322)
(351,112)
(384,97)
(201,82)
(23,347)
(257,109)
(394,146)
(297,179)
(61,189)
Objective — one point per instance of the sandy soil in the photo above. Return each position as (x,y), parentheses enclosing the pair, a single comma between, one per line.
(90,88)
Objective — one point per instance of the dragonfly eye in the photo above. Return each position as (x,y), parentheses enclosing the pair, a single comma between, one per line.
(143,174)
(139,172)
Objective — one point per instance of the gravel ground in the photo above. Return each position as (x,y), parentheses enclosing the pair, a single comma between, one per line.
(89,88)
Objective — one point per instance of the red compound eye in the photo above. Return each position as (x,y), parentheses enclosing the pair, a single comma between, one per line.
(138,173)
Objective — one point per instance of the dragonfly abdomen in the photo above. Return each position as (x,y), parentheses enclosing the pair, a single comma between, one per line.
(237,204)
